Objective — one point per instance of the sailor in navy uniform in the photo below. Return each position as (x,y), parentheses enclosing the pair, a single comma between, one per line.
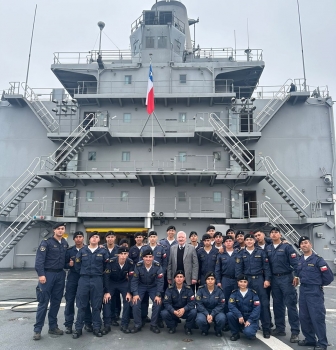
(90,263)
(134,252)
(244,310)
(147,277)
(72,284)
(49,265)
(207,257)
(314,273)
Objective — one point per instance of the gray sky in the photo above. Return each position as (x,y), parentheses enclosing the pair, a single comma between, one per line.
(71,26)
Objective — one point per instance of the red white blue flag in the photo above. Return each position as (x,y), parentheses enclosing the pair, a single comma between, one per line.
(150,92)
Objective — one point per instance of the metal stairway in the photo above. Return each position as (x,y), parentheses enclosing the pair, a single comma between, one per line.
(286,189)
(39,109)
(17,230)
(230,142)
(278,100)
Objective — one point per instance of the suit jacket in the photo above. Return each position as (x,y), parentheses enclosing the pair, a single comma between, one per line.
(190,263)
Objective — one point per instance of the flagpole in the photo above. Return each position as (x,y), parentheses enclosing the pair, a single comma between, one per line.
(152,140)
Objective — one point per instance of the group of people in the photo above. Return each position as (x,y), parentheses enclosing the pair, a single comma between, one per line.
(226,281)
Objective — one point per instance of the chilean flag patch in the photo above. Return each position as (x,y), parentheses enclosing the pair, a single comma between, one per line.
(324,268)
(257,302)
(293,255)
(131,273)
(192,297)
(164,256)
(160,275)
(223,301)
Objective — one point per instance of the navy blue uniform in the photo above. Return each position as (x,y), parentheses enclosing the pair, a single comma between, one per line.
(164,242)
(50,260)
(118,280)
(314,273)
(134,253)
(71,290)
(160,255)
(247,307)
(210,304)
(225,274)
(91,267)
(284,261)
(206,262)
(175,300)
(147,281)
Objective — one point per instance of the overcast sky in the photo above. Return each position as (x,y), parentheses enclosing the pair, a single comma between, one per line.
(71,25)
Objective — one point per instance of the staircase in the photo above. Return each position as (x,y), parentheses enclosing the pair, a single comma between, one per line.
(39,109)
(230,142)
(279,99)
(286,189)
(17,230)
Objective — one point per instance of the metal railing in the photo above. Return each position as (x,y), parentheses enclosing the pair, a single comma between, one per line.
(227,53)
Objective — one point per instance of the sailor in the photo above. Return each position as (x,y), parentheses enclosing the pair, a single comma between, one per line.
(210,306)
(118,275)
(193,237)
(240,240)
(90,263)
(244,310)
(230,232)
(314,273)
(292,87)
(134,252)
(72,284)
(124,243)
(218,236)
(179,302)
(49,264)
(283,261)
(253,263)
(207,257)
(147,277)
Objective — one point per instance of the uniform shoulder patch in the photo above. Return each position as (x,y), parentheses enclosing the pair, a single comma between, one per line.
(198,297)
(231,300)
(130,261)
(188,287)
(253,291)
(237,260)
(156,263)
(42,248)
(171,287)
(235,290)
(78,260)
(166,297)
(139,263)
(200,287)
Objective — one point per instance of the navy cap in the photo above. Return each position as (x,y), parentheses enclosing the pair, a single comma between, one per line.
(206,236)
(77,233)
(209,274)
(122,250)
(240,233)
(171,228)
(147,251)
(242,278)
(93,234)
(59,224)
(226,238)
(152,233)
(110,233)
(249,235)
(276,229)
(179,272)
(218,234)
(123,241)
(192,233)
(210,227)
(303,238)
(137,234)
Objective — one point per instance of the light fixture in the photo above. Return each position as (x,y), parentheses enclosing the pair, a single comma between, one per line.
(252,99)
(253,108)
(161,213)
(74,109)
(55,110)
(55,101)
(73,100)
(64,109)
(242,99)
(65,101)
(153,213)
(233,109)
(233,99)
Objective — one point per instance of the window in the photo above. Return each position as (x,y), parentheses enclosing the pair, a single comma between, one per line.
(182,196)
(89,196)
(182,117)
(182,156)
(127,117)
(136,47)
(177,46)
(92,156)
(126,156)
(124,196)
(217,155)
(162,42)
(183,78)
(217,197)
(149,42)
(128,79)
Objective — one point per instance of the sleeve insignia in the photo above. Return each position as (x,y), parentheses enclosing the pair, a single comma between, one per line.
(192,297)
(131,273)
(78,260)
(135,275)
(42,249)
(198,297)
(166,297)
(231,300)
(293,255)
(223,301)
(107,271)
(160,275)
(237,260)
(324,268)
(257,303)
(164,255)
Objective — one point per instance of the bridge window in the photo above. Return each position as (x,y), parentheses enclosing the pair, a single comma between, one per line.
(182,196)
(183,78)
(128,79)
(92,156)
(162,42)
(149,42)
(89,196)
(217,197)
(124,196)
(126,156)
(177,46)
(127,117)
(182,156)
(182,117)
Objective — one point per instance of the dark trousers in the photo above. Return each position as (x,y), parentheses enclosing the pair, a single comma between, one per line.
(235,327)
(171,320)
(70,296)
(219,322)
(90,289)
(51,291)
(312,314)
(228,285)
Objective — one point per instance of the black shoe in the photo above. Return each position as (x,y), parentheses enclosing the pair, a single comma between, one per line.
(294,338)
(219,334)
(172,330)
(147,319)
(271,325)
(135,329)
(115,323)
(106,330)
(160,324)
(252,338)
(68,330)
(318,347)
(187,331)
(267,335)
(235,337)
(125,329)
(97,333)
(226,328)
(277,332)
(37,336)
(304,342)
(56,331)
(154,329)
(88,328)
(204,333)
(76,334)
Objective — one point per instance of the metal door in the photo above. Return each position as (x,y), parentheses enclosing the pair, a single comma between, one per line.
(72,165)
(237,210)
(70,200)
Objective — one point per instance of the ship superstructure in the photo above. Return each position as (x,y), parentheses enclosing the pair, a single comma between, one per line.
(220,149)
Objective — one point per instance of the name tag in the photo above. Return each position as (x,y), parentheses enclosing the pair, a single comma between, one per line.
(99,254)
(311,265)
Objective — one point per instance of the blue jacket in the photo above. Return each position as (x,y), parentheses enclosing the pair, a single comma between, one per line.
(114,251)
(247,307)
(91,264)
(253,264)
(314,270)
(210,304)
(174,300)
(147,279)
(50,255)
(160,255)
(206,261)
(167,246)
(226,265)
(71,255)
(114,274)
(134,254)
(282,259)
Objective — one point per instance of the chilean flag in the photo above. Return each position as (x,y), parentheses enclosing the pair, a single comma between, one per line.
(150,92)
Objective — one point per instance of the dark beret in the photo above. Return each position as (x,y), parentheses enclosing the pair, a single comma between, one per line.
(249,235)
(179,272)
(206,236)
(240,233)
(229,230)
(226,238)
(303,238)
(122,241)
(59,224)
(209,274)
(122,250)
(211,227)
(137,234)
(218,234)
(93,234)
(152,233)
(276,229)
(242,278)
(147,251)
(192,233)
(110,233)
(77,233)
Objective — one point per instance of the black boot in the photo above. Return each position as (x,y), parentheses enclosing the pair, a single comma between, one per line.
(97,333)
(68,330)
(76,334)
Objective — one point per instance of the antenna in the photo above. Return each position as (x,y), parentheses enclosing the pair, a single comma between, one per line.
(303,63)
(248,37)
(235,44)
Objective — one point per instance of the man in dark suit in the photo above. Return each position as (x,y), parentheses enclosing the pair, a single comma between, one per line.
(183,257)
